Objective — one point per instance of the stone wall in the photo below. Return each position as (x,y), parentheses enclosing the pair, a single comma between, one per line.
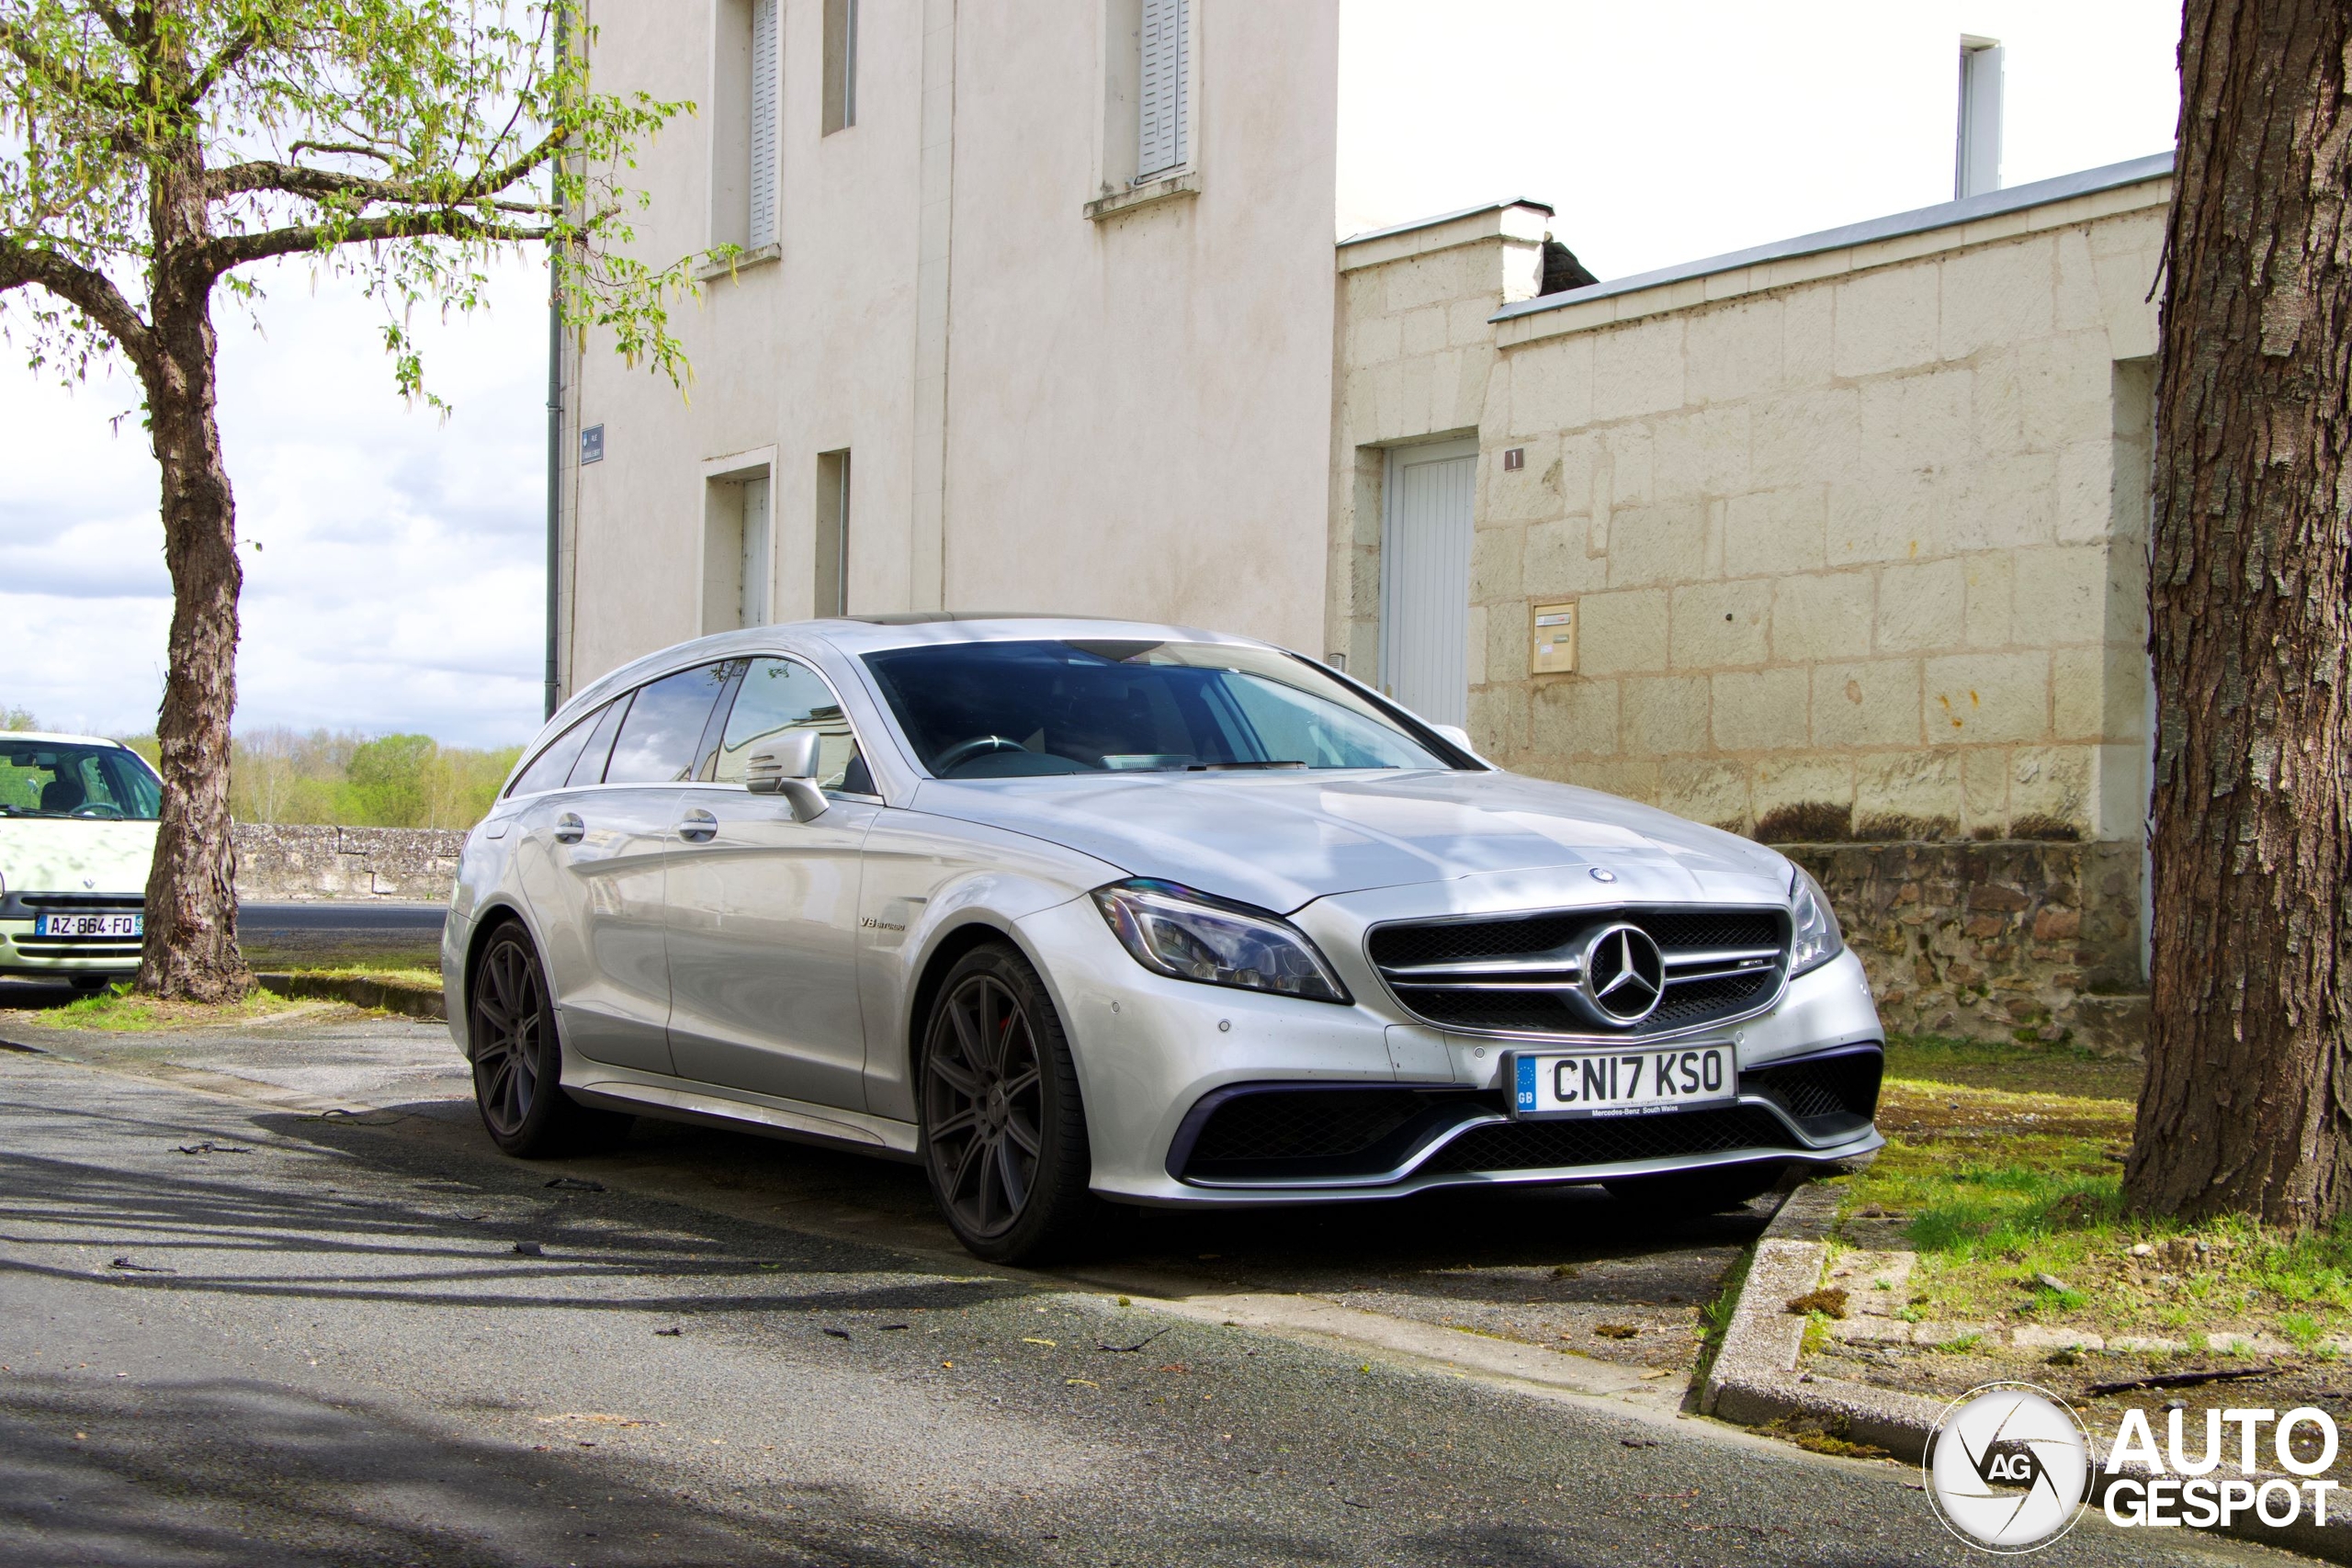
(1859,530)
(2002,940)
(280,864)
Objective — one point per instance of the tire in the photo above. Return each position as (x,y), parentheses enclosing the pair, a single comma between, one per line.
(518,1062)
(1003,1132)
(1688,1194)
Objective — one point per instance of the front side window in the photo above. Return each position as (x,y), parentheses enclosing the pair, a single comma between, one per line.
(660,741)
(52,778)
(777,697)
(1020,709)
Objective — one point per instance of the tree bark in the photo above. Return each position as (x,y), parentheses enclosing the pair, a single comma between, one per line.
(2247,1106)
(190,949)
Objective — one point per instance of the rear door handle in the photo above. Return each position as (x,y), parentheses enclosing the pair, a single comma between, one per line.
(700,827)
(568,829)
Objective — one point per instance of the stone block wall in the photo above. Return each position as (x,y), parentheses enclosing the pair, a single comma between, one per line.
(1859,531)
(1994,941)
(292,864)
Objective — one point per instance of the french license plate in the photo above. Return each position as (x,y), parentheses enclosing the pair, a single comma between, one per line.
(90,925)
(1621,1083)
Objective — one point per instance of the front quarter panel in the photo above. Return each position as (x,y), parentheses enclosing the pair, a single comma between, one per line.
(926,879)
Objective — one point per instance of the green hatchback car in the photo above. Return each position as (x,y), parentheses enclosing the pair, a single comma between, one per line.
(77,830)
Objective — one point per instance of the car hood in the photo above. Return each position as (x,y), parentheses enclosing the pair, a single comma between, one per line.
(1283,839)
(42,854)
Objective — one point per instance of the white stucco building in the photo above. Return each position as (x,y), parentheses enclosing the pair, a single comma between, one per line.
(1026,316)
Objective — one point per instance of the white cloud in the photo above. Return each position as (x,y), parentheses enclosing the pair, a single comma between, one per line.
(393,560)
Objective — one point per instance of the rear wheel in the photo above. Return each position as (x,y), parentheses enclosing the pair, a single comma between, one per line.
(1003,1132)
(1688,1192)
(518,1065)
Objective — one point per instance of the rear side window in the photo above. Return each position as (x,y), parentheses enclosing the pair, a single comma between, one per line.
(661,739)
(590,768)
(550,767)
(777,697)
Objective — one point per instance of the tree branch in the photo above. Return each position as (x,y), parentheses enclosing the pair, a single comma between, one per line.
(240,44)
(218,254)
(87,289)
(295,179)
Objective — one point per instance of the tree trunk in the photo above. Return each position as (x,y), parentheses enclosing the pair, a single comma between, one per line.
(2247,1106)
(191,944)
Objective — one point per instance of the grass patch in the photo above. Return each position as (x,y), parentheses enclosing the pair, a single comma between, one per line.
(1995,1188)
(2044,1069)
(120,1009)
(429,979)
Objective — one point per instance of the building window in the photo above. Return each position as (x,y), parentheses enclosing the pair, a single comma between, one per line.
(1147,92)
(832,532)
(737,565)
(745,89)
(1163,88)
(841,64)
(766,87)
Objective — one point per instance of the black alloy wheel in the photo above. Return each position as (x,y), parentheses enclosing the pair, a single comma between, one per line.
(1003,1132)
(518,1063)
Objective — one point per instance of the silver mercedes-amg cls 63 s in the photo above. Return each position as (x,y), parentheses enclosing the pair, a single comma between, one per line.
(1082,911)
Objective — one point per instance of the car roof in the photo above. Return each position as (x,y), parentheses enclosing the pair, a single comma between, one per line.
(868,634)
(54,739)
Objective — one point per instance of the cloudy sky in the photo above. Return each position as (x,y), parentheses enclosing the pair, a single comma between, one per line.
(394,578)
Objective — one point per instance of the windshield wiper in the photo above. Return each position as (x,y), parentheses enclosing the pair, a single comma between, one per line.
(1238,767)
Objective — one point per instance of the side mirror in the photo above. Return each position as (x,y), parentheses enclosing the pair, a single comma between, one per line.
(788,768)
(1456,733)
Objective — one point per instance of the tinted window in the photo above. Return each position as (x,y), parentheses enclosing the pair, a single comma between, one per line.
(52,778)
(659,739)
(778,696)
(1013,709)
(550,767)
(590,768)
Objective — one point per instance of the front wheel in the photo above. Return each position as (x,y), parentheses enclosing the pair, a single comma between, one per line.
(1003,1132)
(518,1065)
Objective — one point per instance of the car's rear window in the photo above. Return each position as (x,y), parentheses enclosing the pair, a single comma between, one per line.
(53,778)
(1018,709)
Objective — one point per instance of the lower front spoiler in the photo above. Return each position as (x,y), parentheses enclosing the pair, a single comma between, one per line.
(1245,1193)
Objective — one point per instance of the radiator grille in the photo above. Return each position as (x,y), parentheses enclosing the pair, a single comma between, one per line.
(1529,985)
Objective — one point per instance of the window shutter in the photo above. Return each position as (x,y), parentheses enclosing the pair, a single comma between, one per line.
(1161,130)
(761,227)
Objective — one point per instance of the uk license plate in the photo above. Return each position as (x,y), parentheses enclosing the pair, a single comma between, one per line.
(90,925)
(1621,1083)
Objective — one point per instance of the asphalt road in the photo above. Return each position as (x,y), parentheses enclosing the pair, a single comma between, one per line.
(342,930)
(230,1335)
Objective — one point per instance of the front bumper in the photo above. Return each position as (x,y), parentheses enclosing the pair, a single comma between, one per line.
(22,952)
(1156,1057)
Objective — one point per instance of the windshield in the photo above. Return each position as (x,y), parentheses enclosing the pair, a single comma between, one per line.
(994,710)
(55,778)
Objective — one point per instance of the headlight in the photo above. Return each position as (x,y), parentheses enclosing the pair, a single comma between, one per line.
(1177,932)
(1817,938)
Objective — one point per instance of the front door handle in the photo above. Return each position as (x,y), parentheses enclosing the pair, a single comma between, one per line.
(700,827)
(568,829)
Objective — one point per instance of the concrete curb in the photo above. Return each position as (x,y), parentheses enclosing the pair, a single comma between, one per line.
(1754,1379)
(363,991)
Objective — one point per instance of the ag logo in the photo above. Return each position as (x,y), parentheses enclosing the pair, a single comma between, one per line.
(2008,1468)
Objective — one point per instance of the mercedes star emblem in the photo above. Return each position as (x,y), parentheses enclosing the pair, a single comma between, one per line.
(1603,873)
(1624,974)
